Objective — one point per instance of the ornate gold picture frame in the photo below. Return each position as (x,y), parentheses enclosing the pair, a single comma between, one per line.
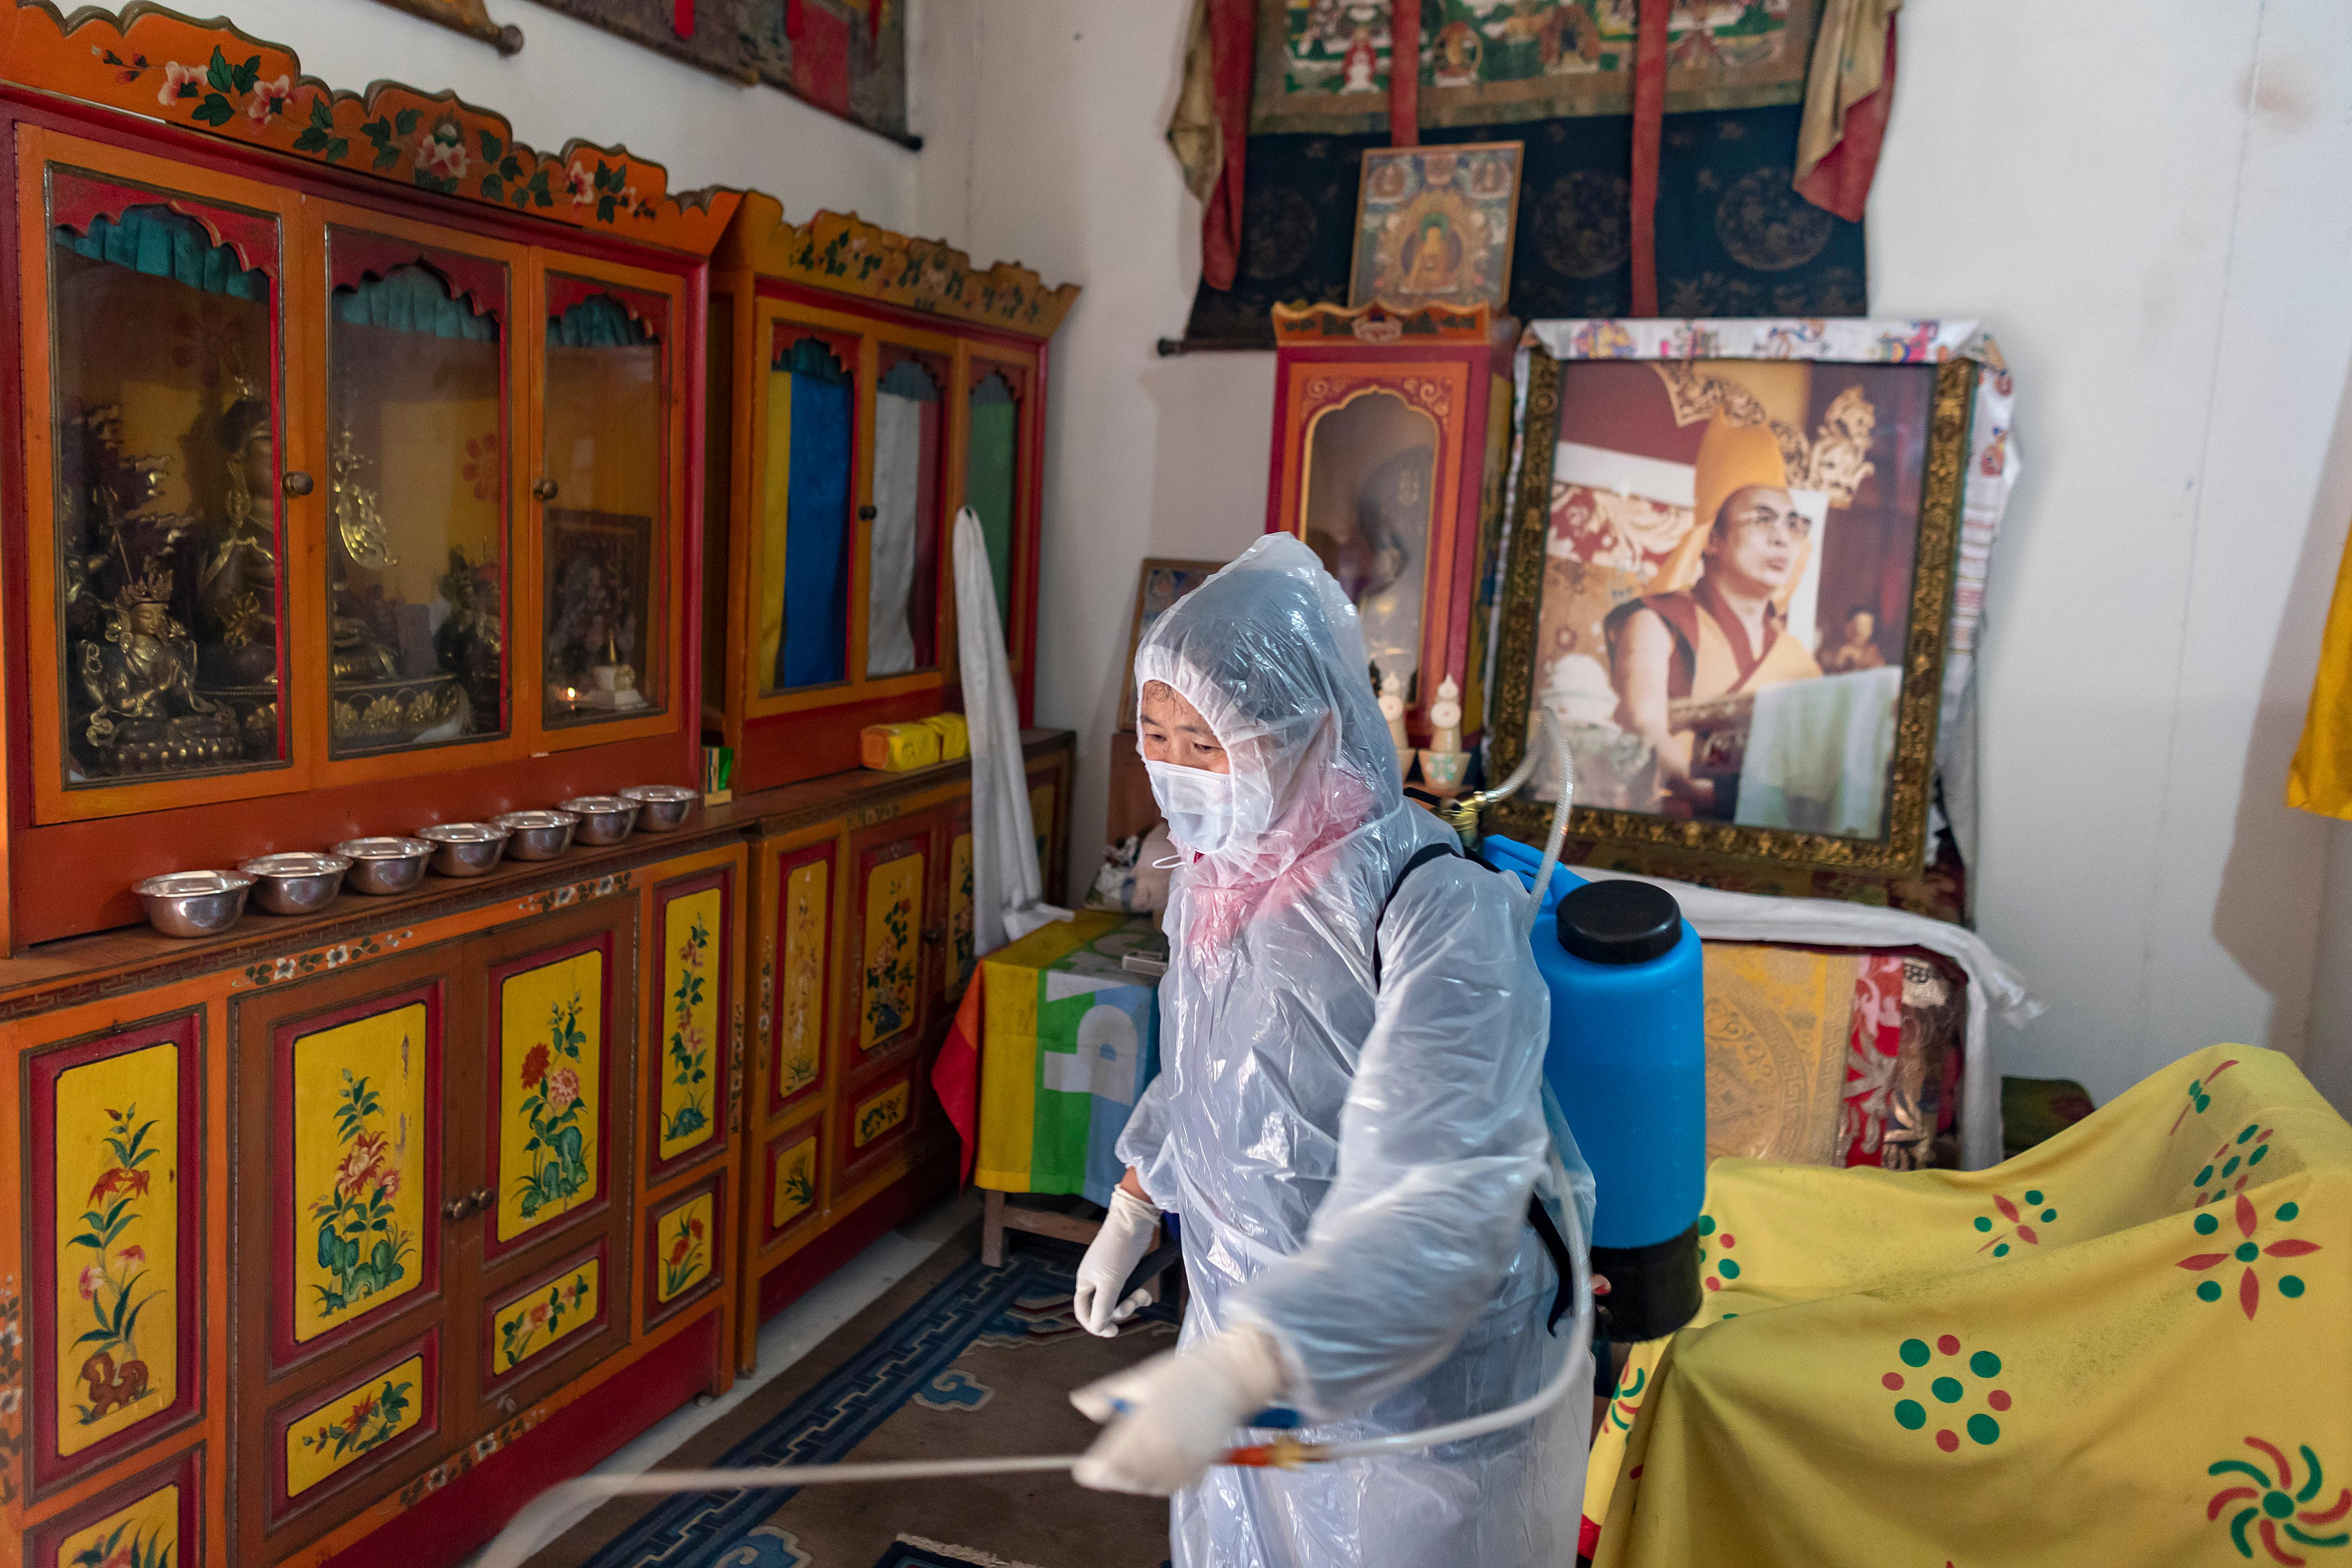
(1826,461)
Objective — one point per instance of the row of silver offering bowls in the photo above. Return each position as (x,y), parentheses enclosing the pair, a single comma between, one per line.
(205,902)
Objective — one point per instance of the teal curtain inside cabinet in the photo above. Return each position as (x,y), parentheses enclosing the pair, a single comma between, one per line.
(412,300)
(597,322)
(162,243)
(988,488)
(815,650)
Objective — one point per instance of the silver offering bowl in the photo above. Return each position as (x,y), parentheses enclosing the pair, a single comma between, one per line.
(603,819)
(193,902)
(386,865)
(537,835)
(300,883)
(661,807)
(465,849)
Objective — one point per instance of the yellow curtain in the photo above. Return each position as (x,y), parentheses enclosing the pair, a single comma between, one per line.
(2321,778)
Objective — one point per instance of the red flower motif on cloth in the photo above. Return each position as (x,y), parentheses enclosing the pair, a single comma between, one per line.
(2022,1221)
(2271,1506)
(2233,1163)
(2248,1252)
(1872,1046)
(2198,1099)
(534,1066)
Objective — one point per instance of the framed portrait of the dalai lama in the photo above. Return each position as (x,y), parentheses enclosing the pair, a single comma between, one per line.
(1731,576)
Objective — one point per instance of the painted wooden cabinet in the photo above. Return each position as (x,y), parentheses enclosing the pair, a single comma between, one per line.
(346,504)
(863,387)
(323,1214)
(1392,438)
(863,937)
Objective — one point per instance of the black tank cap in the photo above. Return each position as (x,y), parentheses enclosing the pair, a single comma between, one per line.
(1620,922)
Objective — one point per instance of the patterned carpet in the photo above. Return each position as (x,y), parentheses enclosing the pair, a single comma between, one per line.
(956,1361)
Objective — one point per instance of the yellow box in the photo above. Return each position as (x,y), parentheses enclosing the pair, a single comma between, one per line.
(897,748)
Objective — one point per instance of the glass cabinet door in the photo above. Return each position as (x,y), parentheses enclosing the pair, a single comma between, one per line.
(416,546)
(169,616)
(603,485)
(902,613)
(991,471)
(811,448)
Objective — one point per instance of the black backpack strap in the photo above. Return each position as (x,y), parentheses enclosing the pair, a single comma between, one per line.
(1420,857)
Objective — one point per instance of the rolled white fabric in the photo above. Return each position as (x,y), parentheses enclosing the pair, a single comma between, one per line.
(1008,892)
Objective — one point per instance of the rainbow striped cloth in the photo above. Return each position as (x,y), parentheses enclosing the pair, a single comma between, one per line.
(1069,1040)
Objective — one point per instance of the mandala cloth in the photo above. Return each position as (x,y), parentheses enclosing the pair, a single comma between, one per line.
(2130,1344)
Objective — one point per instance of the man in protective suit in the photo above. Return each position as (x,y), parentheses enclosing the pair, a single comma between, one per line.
(1348,1123)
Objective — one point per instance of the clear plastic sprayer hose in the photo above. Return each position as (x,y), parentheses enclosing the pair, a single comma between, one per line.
(560,1508)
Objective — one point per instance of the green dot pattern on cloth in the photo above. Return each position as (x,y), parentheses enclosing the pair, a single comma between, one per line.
(1910,1414)
(2001,1250)
(2203,1104)
(2288,1211)
(2049,1217)
(2257,1157)
(1984,1222)
(2277,1504)
(2208,1291)
(1984,1429)
(2203,1176)
(2232,1168)
(2247,1134)
(2290,1286)
(2207,1225)
(1727,1268)
(2248,1252)
(1984,1363)
(1705,1225)
(1915,1353)
(1946,1389)
(2033,1198)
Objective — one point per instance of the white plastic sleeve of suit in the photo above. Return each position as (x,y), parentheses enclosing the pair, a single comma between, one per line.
(1440,1145)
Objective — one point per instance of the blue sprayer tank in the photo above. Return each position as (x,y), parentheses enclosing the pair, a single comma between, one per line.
(1627,1062)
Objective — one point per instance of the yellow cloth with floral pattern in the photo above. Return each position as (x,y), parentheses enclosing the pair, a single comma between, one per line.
(2130,1344)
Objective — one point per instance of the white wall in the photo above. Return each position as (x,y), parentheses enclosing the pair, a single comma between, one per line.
(2147,204)
(574,80)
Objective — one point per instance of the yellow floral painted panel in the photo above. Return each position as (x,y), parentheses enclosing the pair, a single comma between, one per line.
(682,1248)
(690,934)
(359,1167)
(877,1115)
(531,1325)
(550,1065)
(144,1535)
(799,1008)
(894,907)
(1041,821)
(346,1428)
(118,1142)
(959,906)
(795,1184)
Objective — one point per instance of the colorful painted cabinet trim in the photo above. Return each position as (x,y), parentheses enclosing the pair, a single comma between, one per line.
(218,80)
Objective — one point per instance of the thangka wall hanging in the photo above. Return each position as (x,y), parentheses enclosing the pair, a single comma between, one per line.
(847,58)
(1733,236)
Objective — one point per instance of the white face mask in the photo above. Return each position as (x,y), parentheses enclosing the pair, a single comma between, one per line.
(1199,805)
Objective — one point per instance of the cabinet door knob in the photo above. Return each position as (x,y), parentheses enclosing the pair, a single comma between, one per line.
(297,482)
(483,1197)
(867,514)
(934,934)
(543,488)
(458,1207)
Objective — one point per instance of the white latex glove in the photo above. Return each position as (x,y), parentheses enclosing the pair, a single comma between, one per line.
(1129,1231)
(1174,1416)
